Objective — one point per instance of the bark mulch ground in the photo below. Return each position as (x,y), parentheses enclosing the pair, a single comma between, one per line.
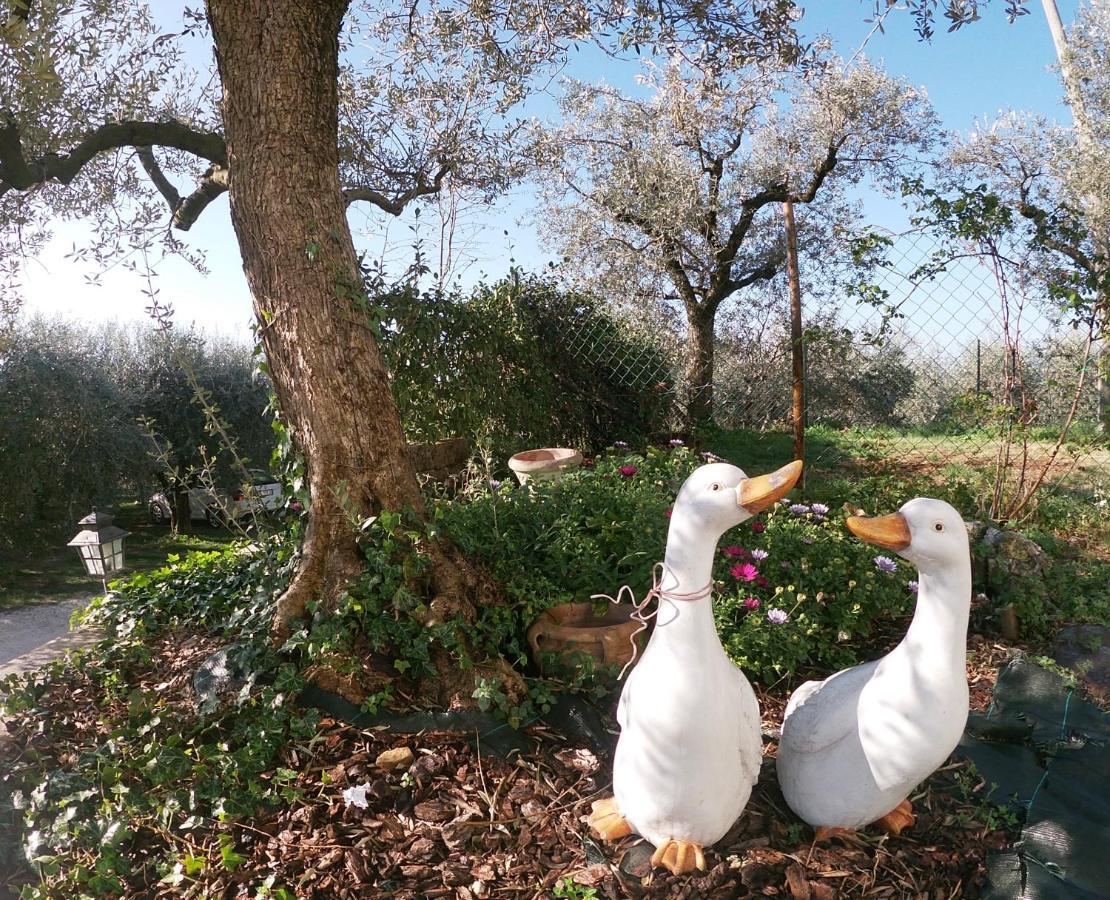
(461,823)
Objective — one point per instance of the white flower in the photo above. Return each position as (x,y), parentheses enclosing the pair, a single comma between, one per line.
(356,796)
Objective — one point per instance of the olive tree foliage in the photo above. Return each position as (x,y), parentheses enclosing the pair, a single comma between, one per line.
(81,409)
(1054,180)
(110,115)
(672,195)
(1057,177)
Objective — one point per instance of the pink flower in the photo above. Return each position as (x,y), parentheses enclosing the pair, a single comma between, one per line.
(751,603)
(744,572)
(668,512)
(734,552)
(759,527)
(761,581)
(628,471)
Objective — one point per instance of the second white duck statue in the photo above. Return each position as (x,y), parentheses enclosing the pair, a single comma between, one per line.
(690,748)
(855,745)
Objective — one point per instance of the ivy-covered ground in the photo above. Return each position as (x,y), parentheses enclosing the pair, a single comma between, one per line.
(118,780)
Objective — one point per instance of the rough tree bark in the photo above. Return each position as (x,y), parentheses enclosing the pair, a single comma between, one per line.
(279,65)
(699,366)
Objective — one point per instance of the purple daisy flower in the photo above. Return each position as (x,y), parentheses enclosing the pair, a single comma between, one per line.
(819,510)
(621,445)
(799,509)
(911,586)
(677,442)
(759,555)
(885,564)
(777,616)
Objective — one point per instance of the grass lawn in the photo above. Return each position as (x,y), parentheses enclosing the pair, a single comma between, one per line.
(54,573)
(880,469)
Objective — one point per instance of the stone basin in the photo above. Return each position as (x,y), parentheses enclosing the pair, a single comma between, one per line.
(544,464)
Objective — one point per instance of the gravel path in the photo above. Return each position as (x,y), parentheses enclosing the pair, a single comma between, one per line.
(27,627)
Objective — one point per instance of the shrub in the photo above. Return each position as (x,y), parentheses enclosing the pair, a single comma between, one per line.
(596,530)
(519,363)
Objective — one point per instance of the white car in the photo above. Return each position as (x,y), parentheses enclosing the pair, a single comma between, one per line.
(217,507)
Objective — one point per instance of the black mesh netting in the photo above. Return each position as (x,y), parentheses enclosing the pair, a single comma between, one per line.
(1046,751)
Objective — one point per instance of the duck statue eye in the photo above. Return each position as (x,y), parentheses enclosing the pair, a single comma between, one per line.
(937,526)
(715,486)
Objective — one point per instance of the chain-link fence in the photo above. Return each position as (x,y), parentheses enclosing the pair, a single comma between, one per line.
(963,363)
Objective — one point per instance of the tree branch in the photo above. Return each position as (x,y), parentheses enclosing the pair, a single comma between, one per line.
(212,184)
(776,193)
(20,174)
(185,210)
(396,205)
(151,167)
(1039,218)
(765,272)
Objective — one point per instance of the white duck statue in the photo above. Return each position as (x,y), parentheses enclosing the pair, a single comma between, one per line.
(690,748)
(855,745)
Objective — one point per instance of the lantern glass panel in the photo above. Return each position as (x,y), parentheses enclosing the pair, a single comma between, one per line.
(90,556)
(113,555)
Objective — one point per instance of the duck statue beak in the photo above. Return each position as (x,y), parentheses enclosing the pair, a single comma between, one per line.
(756,494)
(890,532)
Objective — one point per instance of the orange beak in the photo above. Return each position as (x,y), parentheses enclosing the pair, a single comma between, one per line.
(890,532)
(756,494)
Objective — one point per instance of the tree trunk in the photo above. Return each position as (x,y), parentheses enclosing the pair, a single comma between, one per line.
(699,368)
(181,514)
(177,497)
(279,65)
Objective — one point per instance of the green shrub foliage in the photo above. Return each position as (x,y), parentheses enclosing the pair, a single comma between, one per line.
(520,363)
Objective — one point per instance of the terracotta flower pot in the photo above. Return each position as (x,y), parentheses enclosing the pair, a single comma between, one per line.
(572,629)
(544,464)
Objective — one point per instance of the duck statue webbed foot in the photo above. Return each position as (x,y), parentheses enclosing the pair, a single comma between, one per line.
(898,818)
(606,820)
(679,857)
(824,833)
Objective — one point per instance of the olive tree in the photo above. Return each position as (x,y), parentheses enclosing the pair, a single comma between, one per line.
(675,196)
(311,107)
(1056,179)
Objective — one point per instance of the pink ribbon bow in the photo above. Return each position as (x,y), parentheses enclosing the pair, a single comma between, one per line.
(638,608)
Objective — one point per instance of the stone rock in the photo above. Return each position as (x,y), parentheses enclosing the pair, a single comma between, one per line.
(1017,555)
(394,759)
(224,671)
(636,863)
(1086,649)
(974,531)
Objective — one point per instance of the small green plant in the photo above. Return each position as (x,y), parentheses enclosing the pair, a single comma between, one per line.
(568,890)
(977,811)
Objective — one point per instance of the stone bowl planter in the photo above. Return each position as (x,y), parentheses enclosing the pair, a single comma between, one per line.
(545,464)
(573,629)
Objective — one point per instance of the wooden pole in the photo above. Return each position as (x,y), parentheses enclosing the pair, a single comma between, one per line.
(798,404)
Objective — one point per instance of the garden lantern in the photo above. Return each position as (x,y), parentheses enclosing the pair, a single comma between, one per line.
(99,543)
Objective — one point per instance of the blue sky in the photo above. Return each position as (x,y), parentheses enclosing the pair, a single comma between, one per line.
(971,74)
